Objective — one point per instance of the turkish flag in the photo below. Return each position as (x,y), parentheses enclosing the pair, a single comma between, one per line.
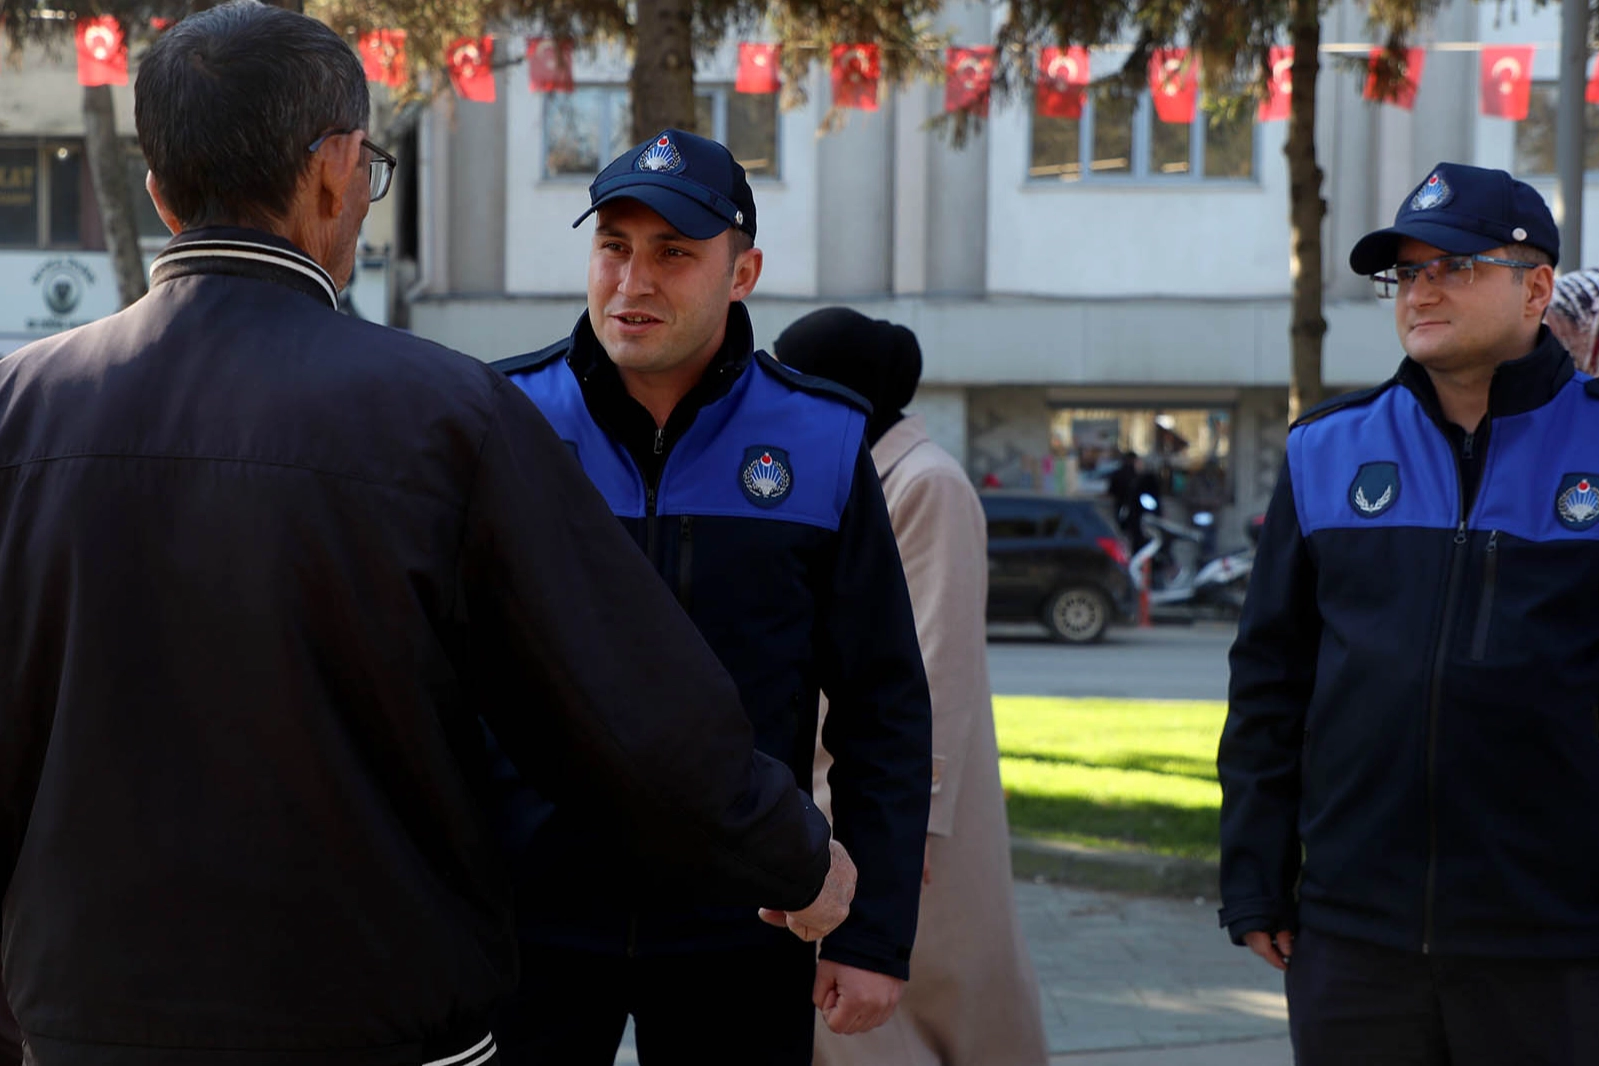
(757,68)
(1174,84)
(383,56)
(856,69)
(1280,92)
(469,61)
(549,65)
(968,76)
(1404,95)
(1062,74)
(102,53)
(1506,81)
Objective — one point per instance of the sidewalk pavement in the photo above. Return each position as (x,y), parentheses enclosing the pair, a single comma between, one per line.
(1140,981)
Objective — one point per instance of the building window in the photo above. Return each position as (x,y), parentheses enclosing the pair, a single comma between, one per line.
(1535,135)
(1189,449)
(1120,137)
(587,128)
(47,198)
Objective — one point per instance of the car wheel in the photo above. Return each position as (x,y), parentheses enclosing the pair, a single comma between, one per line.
(1078,615)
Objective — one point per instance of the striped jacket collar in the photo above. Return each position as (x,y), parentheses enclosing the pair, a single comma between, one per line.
(247,253)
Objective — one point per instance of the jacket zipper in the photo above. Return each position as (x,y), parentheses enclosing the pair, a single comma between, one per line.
(685,561)
(651,522)
(1490,579)
(1457,568)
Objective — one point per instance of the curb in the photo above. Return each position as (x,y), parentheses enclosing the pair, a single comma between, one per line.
(1122,871)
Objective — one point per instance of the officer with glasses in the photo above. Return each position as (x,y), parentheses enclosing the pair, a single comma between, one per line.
(1410,763)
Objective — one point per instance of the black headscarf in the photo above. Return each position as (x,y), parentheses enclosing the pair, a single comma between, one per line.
(878,359)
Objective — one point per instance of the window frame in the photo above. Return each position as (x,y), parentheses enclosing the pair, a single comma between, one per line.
(719,93)
(1143,120)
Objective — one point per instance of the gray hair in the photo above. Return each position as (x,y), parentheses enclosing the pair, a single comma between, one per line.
(227,102)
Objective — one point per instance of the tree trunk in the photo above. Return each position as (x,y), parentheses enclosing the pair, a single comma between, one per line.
(662,84)
(109,169)
(1306,209)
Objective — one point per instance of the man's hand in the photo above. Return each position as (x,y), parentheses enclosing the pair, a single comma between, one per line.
(828,911)
(852,1000)
(1275,951)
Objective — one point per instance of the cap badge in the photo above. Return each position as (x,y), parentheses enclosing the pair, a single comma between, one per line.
(765,475)
(662,157)
(1577,501)
(1434,193)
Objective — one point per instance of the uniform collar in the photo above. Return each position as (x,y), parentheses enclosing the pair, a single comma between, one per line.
(247,253)
(1519,386)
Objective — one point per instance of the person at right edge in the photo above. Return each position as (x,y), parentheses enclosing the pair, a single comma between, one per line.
(1410,763)
(972,999)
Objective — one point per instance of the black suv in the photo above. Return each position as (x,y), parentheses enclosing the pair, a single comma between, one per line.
(1056,561)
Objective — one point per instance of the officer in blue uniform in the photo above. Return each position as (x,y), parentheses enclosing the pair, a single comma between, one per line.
(1410,764)
(751,490)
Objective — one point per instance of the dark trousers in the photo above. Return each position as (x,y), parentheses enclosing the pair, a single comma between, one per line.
(747,1007)
(1356,1004)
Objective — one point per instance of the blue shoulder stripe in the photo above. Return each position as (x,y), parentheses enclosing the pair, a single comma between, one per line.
(533,360)
(814,385)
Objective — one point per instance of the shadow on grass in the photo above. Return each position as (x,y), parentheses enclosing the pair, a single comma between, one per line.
(1200,769)
(1165,828)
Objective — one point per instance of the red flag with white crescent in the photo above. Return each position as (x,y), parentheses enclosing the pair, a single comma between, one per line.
(1280,90)
(757,68)
(1404,91)
(968,76)
(1507,81)
(1062,75)
(469,60)
(856,70)
(102,52)
(1174,84)
(549,65)
(383,57)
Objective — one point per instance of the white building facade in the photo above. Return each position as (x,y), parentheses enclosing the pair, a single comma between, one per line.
(1078,286)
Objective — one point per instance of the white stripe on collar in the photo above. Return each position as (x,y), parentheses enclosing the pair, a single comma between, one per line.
(261,253)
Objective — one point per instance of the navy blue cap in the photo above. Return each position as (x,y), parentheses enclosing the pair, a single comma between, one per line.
(1462,210)
(692,182)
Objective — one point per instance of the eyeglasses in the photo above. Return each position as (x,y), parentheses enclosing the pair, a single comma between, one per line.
(1446,272)
(380,168)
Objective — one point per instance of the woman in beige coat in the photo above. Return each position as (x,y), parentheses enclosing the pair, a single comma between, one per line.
(972,998)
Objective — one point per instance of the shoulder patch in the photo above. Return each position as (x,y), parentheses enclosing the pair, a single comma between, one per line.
(814,385)
(533,360)
(1338,403)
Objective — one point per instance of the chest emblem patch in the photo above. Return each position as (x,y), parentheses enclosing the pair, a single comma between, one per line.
(1577,501)
(1375,489)
(765,475)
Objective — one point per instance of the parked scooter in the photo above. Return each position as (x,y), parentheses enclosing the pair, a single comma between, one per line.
(1185,571)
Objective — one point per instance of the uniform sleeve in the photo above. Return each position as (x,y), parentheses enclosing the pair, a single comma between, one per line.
(1273,665)
(878,730)
(943,544)
(601,691)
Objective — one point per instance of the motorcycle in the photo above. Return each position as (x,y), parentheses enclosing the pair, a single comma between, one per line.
(1183,568)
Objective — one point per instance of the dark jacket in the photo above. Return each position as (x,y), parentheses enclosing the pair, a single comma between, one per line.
(759,505)
(264,568)
(1411,755)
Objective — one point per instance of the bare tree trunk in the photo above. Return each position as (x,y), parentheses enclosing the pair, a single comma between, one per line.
(109,169)
(1306,209)
(662,84)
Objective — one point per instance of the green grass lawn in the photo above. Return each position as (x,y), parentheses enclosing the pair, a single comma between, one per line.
(1130,774)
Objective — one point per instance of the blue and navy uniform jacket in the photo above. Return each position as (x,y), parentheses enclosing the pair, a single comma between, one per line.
(1411,754)
(759,506)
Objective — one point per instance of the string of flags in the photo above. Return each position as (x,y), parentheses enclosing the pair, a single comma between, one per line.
(1061,84)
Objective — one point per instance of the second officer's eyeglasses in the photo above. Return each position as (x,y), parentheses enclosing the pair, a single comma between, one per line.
(1446,272)
(380,167)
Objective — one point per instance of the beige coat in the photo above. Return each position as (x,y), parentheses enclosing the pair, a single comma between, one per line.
(972,999)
